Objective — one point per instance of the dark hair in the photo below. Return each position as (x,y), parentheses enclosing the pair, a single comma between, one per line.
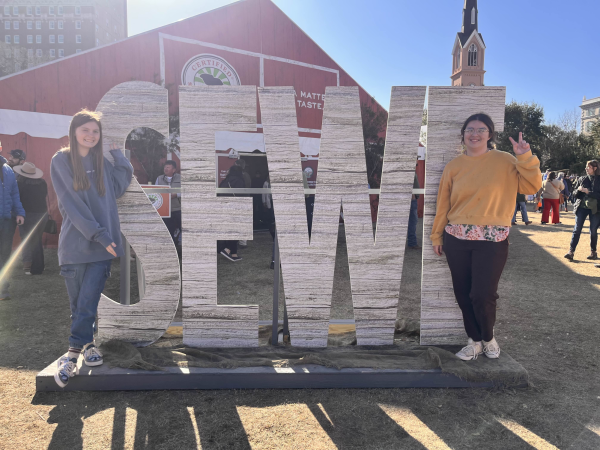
(481,117)
(18,153)
(80,178)
(551,176)
(170,163)
(241,163)
(594,164)
(235,170)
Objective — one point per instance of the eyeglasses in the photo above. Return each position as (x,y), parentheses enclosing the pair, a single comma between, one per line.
(478,130)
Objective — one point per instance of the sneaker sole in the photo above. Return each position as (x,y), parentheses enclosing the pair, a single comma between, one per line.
(493,356)
(58,380)
(464,358)
(93,364)
(224,253)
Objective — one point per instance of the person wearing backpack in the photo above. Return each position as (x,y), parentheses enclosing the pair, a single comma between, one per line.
(551,188)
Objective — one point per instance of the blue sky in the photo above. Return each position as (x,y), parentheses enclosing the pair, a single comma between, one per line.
(547,51)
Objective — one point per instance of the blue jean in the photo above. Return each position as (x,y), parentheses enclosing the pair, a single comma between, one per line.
(413,218)
(523,207)
(580,215)
(7,231)
(85,282)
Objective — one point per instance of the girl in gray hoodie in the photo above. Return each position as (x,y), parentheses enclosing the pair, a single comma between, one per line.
(87,186)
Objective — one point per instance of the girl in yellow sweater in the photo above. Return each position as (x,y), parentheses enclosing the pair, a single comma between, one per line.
(475,205)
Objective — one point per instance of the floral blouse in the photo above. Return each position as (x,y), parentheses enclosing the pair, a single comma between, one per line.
(490,233)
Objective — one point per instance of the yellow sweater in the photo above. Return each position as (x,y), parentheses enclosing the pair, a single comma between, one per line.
(482,190)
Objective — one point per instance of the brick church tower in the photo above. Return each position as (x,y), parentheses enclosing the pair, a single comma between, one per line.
(468,54)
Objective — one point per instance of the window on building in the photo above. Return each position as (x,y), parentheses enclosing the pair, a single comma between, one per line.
(38,39)
(15,10)
(17,39)
(51,10)
(29,11)
(16,25)
(78,39)
(29,25)
(38,24)
(30,53)
(473,55)
(38,53)
(38,11)
(7,10)
(52,53)
(51,24)
(60,24)
(592,112)
(30,39)
(61,52)
(473,14)
(78,50)
(588,126)
(60,12)
(7,38)
(78,24)
(61,39)
(52,39)
(7,25)
(78,10)
(97,28)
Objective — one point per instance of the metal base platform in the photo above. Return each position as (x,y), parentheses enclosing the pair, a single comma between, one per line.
(104,378)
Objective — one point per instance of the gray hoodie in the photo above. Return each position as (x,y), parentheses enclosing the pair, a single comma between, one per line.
(90,222)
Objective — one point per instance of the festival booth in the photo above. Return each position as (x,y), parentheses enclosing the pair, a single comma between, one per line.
(244,82)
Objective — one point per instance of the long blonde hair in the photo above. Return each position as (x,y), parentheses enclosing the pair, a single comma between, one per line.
(80,179)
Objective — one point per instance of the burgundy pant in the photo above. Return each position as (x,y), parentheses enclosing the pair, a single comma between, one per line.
(476,267)
(554,204)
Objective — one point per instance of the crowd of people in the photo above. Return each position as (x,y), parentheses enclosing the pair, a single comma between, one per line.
(24,206)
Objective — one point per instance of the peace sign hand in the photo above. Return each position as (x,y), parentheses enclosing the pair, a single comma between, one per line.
(521,147)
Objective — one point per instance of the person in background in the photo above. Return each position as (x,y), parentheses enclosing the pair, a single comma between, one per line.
(545,176)
(33,191)
(522,206)
(16,157)
(172,179)
(413,218)
(11,215)
(87,187)
(551,190)
(247,184)
(566,192)
(586,191)
(476,199)
(233,180)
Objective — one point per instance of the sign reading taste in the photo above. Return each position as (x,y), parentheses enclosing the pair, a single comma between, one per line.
(375,261)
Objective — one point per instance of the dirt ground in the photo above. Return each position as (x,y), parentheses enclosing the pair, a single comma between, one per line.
(548,320)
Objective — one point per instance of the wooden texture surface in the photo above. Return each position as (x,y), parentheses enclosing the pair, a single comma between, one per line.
(448,108)
(125,107)
(206,218)
(375,265)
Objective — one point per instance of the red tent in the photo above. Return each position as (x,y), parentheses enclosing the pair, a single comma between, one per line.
(251,42)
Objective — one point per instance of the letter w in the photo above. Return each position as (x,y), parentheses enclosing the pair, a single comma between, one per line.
(308,264)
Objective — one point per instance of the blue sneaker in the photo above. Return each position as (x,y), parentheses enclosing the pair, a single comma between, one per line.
(92,356)
(66,368)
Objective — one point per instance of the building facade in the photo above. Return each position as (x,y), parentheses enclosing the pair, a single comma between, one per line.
(590,113)
(38,31)
(468,53)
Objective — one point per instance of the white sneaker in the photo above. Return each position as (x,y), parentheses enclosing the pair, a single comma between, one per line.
(491,349)
(65,369)
(92,355)
(471,351)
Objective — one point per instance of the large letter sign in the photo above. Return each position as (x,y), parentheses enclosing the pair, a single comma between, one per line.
(126,107)
(375,258)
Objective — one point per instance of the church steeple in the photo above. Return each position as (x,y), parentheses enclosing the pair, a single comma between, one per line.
(470,17)
(469,49)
